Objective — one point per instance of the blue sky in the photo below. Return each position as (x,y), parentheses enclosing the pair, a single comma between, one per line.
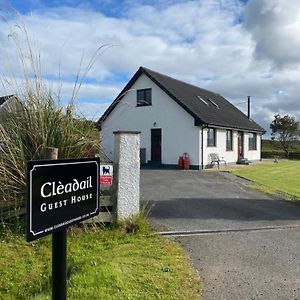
(111,8)
(232,47)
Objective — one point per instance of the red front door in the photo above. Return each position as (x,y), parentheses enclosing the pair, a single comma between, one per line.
(240,145)
(156,145)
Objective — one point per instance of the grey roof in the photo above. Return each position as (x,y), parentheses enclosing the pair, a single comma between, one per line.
(4,99)
(207,108)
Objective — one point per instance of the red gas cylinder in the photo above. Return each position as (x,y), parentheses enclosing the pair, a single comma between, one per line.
(180,163)
(186,162)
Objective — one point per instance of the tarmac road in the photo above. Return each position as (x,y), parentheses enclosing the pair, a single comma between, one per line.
(245,244)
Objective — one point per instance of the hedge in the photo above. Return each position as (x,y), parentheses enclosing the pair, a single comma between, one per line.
(279,154)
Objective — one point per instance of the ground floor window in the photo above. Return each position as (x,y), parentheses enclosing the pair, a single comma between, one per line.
(211,137)
(252,141)
(228,140)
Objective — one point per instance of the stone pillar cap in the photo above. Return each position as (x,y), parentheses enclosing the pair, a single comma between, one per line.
(126,132)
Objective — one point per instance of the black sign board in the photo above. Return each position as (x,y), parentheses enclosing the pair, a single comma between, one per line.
(60,193)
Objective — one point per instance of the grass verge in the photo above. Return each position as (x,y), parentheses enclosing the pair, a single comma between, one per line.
(105,263)
(275,178)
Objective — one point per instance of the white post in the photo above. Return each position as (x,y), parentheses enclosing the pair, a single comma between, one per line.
(127,173)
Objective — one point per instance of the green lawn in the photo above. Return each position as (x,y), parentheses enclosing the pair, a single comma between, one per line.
(283,176)
(102,264)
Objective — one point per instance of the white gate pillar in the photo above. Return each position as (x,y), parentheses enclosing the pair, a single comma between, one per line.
(127,172)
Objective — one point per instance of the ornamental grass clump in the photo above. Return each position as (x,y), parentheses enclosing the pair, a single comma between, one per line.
(36,118)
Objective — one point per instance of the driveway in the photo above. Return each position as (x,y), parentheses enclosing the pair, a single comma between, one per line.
(244,243)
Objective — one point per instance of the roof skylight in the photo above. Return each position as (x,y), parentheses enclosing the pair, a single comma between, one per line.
(200,98)
(213,103)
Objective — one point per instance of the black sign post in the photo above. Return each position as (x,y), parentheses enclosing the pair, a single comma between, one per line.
(60,193)
(59,265)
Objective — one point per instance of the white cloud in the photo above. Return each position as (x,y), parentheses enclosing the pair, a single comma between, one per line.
(91,110)
(202,42)
(275,27)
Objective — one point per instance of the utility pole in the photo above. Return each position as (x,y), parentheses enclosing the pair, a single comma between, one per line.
(248,114)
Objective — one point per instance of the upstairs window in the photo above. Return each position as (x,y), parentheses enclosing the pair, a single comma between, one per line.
(144,97)
(228,140)
(211,137)
(252,141)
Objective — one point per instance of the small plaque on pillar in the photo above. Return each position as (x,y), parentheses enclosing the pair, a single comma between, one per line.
(106,175)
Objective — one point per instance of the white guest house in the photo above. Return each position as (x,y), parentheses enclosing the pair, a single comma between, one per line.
(174,118)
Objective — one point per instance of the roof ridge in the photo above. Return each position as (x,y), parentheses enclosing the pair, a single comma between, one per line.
(225,113)
(181,81)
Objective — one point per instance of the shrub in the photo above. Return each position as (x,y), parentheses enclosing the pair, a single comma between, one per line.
(272,153)
(294,155)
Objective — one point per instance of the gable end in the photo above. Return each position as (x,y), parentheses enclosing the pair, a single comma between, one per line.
(141,70)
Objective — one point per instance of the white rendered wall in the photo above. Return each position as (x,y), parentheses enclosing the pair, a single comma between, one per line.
(220,149)
(252,154)
(232,155)
(179,134)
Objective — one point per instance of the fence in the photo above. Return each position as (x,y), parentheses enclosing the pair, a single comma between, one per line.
(107,213)
(108,207)
(121,200)
(10,212)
